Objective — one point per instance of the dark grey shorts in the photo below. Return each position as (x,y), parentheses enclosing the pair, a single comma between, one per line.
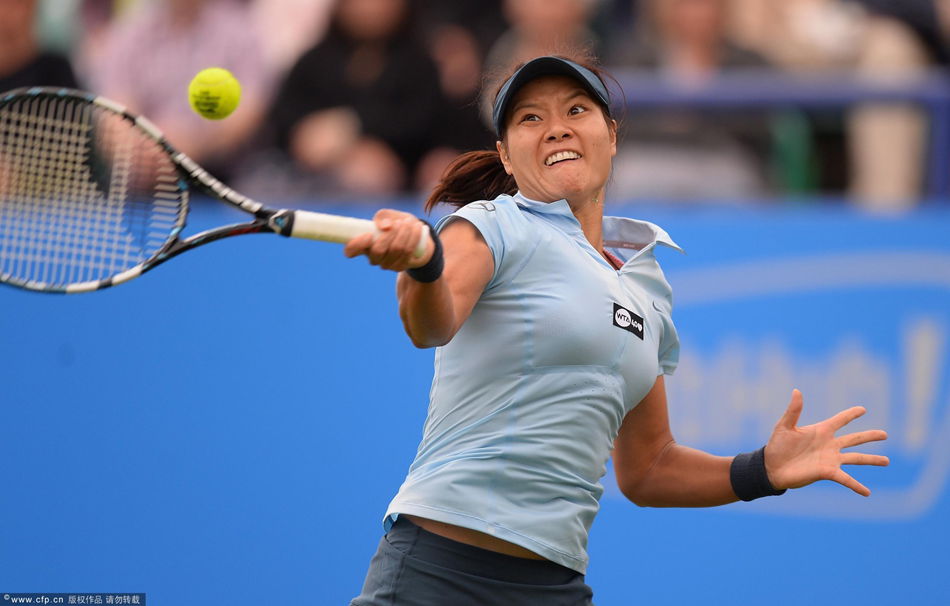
(413,567)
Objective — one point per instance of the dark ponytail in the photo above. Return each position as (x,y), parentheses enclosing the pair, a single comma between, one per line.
(474,175)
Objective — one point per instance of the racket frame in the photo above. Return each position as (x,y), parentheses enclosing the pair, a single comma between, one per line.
(285,222)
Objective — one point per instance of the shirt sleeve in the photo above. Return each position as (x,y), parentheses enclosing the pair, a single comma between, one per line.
(501,225)
(668,353)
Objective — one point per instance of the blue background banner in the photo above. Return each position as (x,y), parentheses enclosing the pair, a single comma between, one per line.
(229,428)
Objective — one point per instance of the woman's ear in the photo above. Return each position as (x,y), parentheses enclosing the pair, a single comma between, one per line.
(503,154)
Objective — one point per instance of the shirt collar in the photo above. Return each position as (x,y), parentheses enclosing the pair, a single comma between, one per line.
(619,232)
(559,208)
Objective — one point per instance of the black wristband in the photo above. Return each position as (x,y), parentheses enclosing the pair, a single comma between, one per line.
(431,271)
(749,478)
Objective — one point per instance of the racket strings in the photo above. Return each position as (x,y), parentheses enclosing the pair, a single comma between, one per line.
(84,195)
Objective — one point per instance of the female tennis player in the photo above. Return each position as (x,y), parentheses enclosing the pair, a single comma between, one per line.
(554,333)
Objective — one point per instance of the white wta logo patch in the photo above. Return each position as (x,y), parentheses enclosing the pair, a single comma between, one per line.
(627,320)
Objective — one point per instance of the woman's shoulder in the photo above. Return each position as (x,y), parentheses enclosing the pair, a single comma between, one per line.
(504,203)
(503,212)
(499,219)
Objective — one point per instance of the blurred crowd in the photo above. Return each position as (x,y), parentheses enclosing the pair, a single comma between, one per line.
(360,99)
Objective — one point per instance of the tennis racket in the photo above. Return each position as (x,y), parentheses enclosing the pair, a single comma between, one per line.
(92,195)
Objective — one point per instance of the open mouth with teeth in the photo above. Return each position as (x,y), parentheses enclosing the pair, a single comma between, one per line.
(561,157)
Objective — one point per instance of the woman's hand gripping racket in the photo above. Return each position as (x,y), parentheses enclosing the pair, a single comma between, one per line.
(92,195)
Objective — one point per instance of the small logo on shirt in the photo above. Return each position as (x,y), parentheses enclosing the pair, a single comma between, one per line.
(627,320)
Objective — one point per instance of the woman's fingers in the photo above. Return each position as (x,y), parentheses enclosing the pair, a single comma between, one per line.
(358,245)
(846,416)
(401,242)
(802,455)
(860,458)
(405,243)
(382,244)
(842,477)
(789,420)
(394,244)
(861,437)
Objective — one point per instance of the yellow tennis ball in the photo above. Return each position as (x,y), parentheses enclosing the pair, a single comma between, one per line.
(214,93)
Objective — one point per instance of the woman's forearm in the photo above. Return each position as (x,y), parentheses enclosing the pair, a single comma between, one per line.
(684,477)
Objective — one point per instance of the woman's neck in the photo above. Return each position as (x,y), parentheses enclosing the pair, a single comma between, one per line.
(590,214)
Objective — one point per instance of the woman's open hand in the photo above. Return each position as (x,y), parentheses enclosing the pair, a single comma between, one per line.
(797,456)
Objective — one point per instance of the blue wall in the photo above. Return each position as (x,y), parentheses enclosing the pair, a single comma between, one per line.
(229,428)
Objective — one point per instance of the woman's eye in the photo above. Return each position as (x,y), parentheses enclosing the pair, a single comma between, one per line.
(577,109)
(530,118)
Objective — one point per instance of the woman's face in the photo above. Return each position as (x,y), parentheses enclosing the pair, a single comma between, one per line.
(558,144)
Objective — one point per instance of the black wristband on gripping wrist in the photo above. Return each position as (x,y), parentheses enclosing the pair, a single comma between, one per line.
(431,271)
(749,478)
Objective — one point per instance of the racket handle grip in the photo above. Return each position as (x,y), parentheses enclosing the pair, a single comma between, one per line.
(334,228)
(327,228)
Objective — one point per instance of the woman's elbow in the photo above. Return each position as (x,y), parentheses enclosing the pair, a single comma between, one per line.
(638,492)
(426,334)
(631,490)
(638,500)
(424,339)
(427,341)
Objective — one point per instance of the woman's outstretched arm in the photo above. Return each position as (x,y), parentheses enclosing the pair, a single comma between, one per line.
(654,471)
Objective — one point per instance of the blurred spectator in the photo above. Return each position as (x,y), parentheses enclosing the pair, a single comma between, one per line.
(799,35)
(809,34)
(152,54)
(483,19)
(543,27)
(942,8)
(888,142)
(91,22)
(289,27)
(882,41)
(683,153)
(458,57)
(687,40)
(458,35)
(614,20)
(56,25)
(22,61)
(358,111)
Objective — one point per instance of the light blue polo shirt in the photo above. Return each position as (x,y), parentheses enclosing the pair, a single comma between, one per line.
(529,395)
